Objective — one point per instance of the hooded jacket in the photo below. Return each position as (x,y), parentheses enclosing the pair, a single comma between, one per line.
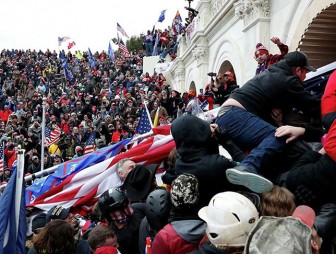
(198,155)
(179,237)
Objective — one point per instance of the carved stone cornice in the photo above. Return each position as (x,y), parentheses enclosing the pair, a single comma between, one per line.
(250,10)
(217,6)
(200,53)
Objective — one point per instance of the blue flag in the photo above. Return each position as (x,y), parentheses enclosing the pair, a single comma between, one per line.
(13,217)
(92,61)
(40,186)
(162,16)
(111,52)
(144,124)
(155,48)
(67,73)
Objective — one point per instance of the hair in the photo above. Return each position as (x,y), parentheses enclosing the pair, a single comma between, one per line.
(121,163)
(170,160)
(98,236)
(279,202)
(55,238)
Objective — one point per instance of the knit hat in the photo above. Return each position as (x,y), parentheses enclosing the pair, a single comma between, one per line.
(184,191)
(261,49)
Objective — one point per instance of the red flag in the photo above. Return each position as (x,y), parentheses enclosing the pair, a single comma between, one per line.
(71,44)
(83,188)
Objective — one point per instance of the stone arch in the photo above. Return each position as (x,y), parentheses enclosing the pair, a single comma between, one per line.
(190,83)
(227,66)
(315,33)
(192,86)
(228,58)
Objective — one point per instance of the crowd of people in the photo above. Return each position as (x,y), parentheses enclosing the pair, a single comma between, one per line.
(279,175)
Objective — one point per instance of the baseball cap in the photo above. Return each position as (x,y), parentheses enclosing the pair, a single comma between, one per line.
(58,212)
(298,58)
(305,214)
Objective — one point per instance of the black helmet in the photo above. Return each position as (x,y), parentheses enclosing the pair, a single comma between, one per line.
(112,200)
(158,207)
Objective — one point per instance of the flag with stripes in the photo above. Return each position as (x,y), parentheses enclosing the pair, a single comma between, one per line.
(64,170)
(82,189)
(1,157)
(121,30)
(90,143)
(144,125)
(62,39)
(123,48)
(52,136)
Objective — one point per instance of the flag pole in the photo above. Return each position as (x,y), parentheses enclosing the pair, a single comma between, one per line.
(147,111)
(43,131)
(19,185)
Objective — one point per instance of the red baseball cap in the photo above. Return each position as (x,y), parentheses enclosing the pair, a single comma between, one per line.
(305,214)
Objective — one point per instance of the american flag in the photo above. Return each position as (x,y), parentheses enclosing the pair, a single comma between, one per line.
(82,189)
(62,39)
(121,30)
(1,157)
(90,143)
(123,48)
(144,124)
(52,136)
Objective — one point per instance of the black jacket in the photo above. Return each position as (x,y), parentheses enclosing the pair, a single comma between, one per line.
(316,172)
(198,155)
(276,87)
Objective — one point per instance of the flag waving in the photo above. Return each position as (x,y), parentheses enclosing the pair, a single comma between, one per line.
(111,52)
(90,143)
(92,61)
(145,123)
(123,48)
(52,136)
(84,187)
(62,39)
(121,30)
(162,16)
(13,214)
(178,16)
(67,72)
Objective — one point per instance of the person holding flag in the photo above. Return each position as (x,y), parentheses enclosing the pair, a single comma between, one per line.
(157,112)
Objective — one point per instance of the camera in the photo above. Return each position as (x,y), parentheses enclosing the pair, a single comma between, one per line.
(212,74)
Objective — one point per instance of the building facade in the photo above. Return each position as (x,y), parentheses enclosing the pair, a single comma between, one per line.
(223,36)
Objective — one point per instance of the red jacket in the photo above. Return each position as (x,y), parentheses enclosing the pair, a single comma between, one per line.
(11,156)
(168,241)
(328,103)
(330,142)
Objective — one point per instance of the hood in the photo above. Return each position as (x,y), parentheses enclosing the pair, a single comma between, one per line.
(191,135)
(191,231)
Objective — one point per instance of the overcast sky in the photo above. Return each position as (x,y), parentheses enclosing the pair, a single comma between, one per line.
(90,23)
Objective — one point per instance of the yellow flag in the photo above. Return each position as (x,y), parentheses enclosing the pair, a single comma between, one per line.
(156,118)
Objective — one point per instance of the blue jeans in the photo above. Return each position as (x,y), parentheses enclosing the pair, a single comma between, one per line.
(251,132)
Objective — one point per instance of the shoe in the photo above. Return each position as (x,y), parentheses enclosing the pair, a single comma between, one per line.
(241,175)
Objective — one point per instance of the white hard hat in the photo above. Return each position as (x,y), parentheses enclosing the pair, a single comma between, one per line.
(230,216)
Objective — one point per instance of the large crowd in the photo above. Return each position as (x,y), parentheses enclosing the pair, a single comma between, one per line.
(270,126)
